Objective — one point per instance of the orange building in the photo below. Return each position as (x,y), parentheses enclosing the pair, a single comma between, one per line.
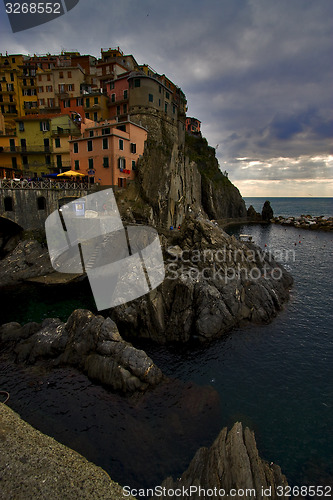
(192,125)
(108,152)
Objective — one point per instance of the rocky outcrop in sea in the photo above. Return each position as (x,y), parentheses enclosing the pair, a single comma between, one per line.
(230,468)
(88,342)
(306,222)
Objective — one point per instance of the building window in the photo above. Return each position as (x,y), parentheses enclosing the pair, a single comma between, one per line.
(41,203)
(133,165)
(88,103)
(77,165)
(125,94)
(79,101)
(113,97)
(95,116)
(151,98)
(12,146)
(167,95)
(124,109)
(67,103)
(14,162)
(105,143)
(8,201)
(48,78)
(137,82)
(118,110)
(44,126)
(57,142)
(69,74)
(49,88)
(59,161)
(70,87)
(48,160)
(90,145)
(133,147)
(174,109)
(61,88)
(91,133)
(95,100)
(61,74)
(87,115)
(121,144)
(166,107)
(41,102)
(91,163)
(111,85)
(106,131)
(40,89)
(121,163)
(76,147)
(105,162)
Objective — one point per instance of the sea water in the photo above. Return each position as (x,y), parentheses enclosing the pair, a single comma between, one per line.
(275,378)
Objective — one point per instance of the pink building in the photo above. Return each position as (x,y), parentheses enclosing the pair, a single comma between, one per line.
(118,93)
(108,152)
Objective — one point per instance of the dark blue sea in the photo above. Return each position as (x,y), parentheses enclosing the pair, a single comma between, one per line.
(294,207)
(275,378)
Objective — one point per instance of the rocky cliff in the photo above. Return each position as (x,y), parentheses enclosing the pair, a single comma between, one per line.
(231,467)
(219,197)
(179,174)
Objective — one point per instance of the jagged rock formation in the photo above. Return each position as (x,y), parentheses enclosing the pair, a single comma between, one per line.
(88,342)
(231,465)
(213,282)
(27,260)
(267,211)
(253,214)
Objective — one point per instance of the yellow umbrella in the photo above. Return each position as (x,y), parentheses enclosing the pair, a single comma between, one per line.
(71,173)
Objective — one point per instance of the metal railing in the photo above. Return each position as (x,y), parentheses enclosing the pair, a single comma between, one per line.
(45,184)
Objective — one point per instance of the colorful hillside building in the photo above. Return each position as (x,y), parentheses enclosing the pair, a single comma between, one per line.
(109,151)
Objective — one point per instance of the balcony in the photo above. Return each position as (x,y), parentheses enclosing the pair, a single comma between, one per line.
(9,149)
(92,107)
(34,149)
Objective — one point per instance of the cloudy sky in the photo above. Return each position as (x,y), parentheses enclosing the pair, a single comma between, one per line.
(257,73)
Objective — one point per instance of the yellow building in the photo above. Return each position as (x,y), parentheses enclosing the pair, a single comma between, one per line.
(43,143)
(35,145)
(10,158)
(18,90)
(95,106)
(63,129)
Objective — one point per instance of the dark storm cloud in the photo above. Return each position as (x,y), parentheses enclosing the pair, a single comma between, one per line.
(257,73)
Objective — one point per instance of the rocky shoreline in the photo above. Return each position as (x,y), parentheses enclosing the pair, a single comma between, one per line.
(34,465)
(213,283)
(88,342)
(320,223)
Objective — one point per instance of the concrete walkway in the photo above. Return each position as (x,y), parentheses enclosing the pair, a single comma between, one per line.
(34,466)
